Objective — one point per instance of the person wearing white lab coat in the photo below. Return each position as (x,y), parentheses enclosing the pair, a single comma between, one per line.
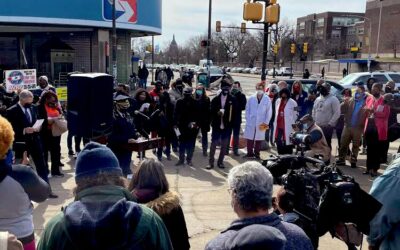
(285,116)
(258,115)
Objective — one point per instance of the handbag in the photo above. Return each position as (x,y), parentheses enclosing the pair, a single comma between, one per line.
(59,127)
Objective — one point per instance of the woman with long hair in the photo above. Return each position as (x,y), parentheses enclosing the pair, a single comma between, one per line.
(150,186)
(49,110)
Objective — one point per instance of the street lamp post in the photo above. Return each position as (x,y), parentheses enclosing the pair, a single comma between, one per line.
(114,42)
(369,39)
(379,29)
(209,42)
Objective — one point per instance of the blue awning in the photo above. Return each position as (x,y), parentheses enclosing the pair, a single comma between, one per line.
(358,61)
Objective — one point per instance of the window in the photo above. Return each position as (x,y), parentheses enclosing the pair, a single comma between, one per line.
(302,25)
(320,22)
(381,78)
(363,79)
(360,31)
(336,33)
(344,21)
(395,77)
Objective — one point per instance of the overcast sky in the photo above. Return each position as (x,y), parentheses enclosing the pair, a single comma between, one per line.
(186,18)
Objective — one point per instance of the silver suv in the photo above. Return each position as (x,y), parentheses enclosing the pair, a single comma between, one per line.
(380,76)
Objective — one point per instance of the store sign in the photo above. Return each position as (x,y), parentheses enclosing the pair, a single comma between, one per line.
(140,15)
(125,11)
(62,93)
(20,79)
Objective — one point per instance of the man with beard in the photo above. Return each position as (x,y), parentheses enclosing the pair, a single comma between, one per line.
(326,111)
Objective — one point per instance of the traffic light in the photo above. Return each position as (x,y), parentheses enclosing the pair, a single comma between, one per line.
(272,14)
(293,48)
(252,11)
(218,26)
(204,43)
(305,48)
(276,49)
(243,28)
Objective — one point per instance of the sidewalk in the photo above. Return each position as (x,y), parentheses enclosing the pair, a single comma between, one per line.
(205,199)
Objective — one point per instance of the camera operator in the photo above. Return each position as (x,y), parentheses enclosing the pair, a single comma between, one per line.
(317,143)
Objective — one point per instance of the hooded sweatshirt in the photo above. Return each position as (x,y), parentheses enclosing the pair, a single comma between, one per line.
(105,217)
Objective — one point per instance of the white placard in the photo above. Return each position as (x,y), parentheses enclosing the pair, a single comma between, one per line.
(20,79)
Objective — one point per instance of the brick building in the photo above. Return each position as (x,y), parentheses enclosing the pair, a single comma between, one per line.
(328,33)
(389,31)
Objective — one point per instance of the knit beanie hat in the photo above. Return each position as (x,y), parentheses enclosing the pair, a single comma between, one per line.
(94,159)
(6,137)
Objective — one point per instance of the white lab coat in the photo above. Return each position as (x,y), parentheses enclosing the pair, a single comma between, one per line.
(290,117)
(257,114)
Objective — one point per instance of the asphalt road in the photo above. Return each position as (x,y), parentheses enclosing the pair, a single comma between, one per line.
(205,199)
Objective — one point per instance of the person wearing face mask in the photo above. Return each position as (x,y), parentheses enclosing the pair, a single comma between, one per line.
(176,90)
(45,86)
(223,114)
(354,114)
(376,129)
(203,106)
(299,96)
(123,132)
(273,96)
(22,117)
(258,116)
(318,144)
(144,104)
(156,92)
(326,111)
(187,121)
(49,111)
(285,116)
(241,102)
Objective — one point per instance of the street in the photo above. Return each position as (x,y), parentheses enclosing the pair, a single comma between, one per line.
(205,199)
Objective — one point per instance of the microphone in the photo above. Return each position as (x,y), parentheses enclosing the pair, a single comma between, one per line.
(137,112)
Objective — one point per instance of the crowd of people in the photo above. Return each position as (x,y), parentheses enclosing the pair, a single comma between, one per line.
(111,212)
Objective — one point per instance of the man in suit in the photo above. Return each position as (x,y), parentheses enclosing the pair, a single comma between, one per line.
(223,115)
(22,117)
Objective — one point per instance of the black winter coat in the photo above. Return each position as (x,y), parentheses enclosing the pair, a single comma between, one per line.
(168,207)
(203,107)
(230,113)
(241,102)
(185,113)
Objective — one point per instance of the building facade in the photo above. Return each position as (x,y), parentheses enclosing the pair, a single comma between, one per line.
(327,33)
(58,37)
(385,30)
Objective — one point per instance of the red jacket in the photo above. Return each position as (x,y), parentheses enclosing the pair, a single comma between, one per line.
(381,116)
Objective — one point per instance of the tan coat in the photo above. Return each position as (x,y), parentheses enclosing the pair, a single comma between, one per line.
(320,147)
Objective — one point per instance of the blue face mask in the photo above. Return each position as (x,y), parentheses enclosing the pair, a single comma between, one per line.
(358,96)
(199,92)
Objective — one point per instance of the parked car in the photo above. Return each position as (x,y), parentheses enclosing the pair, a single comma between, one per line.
(286,71)
(239,70)
(270,72)
(336,88)
(246,70)
(380,76)
(255,71)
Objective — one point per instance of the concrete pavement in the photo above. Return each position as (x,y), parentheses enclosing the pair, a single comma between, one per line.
(205,199)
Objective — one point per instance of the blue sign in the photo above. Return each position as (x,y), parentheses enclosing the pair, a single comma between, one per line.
(141,15)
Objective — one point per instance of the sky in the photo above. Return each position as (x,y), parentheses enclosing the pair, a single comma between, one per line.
(187,18)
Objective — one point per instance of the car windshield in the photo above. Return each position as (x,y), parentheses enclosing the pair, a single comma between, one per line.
(350,79)
(216,71)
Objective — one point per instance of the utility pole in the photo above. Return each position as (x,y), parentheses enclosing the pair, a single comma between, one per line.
(152,58)
(209,42)
(265,52)
(114,43)
(379,29)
